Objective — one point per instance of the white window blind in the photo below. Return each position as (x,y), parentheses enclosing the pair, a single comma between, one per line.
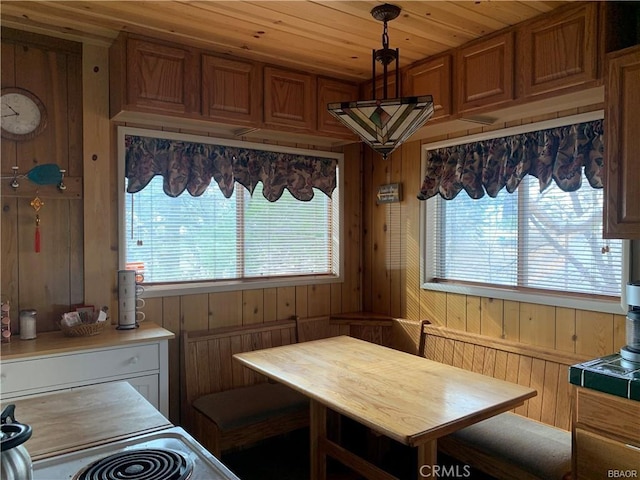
(550,241)
(210,237)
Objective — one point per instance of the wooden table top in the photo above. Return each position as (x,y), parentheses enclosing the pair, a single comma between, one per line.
(84,417)
(406,397)
(53,343)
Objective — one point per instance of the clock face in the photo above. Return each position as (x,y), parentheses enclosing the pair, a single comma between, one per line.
(23,114)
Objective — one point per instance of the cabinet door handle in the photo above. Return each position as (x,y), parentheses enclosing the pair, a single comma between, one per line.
(133,360)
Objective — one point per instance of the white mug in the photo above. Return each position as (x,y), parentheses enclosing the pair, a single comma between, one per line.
(131,303)
(127,291)
(131,317)
(126,277)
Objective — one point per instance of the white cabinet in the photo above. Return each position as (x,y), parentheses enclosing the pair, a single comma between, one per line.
(134,356)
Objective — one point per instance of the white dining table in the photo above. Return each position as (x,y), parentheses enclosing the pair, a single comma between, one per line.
(408,398)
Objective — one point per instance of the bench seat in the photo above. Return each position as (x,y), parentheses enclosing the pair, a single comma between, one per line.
(226,406)
(533,442)
(527,449)
(242,407)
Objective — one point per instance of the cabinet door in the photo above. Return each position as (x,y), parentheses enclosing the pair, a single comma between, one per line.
(598,456)
(162,78)
(622,147)
(231,91)
(289,99)
(330,91)
(558,51)
(484,72)
(431,78)
(148,387)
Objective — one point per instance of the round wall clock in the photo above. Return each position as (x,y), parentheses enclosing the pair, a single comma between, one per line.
(23,114)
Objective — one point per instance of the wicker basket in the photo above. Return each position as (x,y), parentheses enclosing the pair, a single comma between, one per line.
(83,330)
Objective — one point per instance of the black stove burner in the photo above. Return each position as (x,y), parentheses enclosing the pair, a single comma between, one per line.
(143,464)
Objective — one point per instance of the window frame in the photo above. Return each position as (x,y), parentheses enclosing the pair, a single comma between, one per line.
(506,293)
(213,286)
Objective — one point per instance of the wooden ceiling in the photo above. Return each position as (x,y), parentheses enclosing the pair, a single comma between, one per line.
(333,38)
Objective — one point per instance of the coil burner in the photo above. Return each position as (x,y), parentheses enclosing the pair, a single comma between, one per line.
(143,464)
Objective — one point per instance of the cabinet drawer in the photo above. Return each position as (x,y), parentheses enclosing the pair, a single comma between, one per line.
(597,456)
(608,413)
(45,373)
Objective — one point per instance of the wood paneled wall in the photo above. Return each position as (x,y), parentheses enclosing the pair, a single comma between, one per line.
(51,280)
(391,277)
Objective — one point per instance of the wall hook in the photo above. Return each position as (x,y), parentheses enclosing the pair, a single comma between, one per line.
(14,183)
(61,186)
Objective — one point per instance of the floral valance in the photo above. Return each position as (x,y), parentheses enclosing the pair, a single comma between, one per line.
(191,166)
(557,154)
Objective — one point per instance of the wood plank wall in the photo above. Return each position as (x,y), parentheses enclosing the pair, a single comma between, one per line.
(391,274)
(52,279)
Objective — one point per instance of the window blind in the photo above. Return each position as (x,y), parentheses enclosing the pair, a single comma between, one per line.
(550,240)
(211,237)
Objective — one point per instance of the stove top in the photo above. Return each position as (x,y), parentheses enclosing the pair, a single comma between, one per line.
(169,454)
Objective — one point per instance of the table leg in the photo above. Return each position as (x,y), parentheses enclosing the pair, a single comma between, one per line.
(428,459)
(318,430)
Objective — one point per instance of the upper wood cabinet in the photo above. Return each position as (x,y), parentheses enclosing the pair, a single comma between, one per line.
(622,145)
(154,77)
(558,51)
(332,91)
(484,72)
(231,90)
(432,77)
(289,99)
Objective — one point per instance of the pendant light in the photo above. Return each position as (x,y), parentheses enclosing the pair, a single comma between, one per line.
(384,124)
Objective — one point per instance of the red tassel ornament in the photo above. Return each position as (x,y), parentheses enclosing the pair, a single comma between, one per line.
(37,237)
(37,204)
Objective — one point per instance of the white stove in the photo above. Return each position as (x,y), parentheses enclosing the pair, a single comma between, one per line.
(169,454)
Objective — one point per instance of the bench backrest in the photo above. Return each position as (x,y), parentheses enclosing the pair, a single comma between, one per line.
(208,364)
(314,328)
(406,335)
(536,367)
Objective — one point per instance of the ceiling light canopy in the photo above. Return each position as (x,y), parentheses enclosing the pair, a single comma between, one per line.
(386,123)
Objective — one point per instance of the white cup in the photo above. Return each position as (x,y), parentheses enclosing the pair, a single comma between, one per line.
(131,316)
(127,304)
(126,277)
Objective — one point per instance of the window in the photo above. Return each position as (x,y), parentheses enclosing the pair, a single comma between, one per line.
(211,241)
(526,246)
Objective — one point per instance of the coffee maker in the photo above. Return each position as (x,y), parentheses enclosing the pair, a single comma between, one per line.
(631,351)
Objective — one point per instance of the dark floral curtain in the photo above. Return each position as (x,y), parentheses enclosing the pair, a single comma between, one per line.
(487,166)
(191,166)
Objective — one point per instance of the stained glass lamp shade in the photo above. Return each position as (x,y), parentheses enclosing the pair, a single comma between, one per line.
(387,123)
(384,124)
